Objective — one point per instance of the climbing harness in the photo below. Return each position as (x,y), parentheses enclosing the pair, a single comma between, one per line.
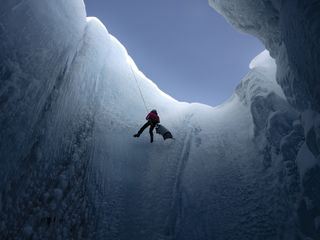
(144,102)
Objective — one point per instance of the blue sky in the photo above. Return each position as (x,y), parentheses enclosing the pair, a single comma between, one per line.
(184,46)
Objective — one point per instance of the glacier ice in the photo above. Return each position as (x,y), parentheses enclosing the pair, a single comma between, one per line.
(290,30)
(70,168)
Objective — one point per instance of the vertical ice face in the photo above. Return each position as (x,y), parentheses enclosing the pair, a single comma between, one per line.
(69,104)
(70,168)
(300,31)
(290,30)
(39,41)
(258,18)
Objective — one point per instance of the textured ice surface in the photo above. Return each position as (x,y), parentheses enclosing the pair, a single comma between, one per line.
(290,30)
(70,168)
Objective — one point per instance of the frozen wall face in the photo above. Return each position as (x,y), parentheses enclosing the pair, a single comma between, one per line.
(39,42)
(290,30)
(70,168)
(32,43)
(66,94)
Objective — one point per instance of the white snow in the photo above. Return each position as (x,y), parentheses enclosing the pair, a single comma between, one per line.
(263,60)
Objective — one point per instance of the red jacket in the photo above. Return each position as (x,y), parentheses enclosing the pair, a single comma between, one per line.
(153,117)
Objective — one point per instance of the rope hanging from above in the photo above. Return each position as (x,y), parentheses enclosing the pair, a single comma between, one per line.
(143,100)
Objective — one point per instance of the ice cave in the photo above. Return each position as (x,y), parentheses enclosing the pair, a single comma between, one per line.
(245,170)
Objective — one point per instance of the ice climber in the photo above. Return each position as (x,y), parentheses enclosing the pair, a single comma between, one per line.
(153,119)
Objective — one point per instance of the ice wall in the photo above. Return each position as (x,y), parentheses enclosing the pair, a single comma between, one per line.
(67,92)
(70,168)
(32,43)
(290,30)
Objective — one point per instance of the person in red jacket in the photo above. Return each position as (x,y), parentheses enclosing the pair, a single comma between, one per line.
(153,119)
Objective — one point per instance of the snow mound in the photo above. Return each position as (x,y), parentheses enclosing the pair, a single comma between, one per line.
(263,60)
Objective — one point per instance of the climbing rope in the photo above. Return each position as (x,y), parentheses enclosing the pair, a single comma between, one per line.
(143,100)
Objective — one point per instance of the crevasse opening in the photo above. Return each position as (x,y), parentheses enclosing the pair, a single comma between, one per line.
(71,169)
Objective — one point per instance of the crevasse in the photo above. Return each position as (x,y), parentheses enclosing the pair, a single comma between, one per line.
(70,168)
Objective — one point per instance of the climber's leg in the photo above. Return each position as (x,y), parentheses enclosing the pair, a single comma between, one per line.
(142,129)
